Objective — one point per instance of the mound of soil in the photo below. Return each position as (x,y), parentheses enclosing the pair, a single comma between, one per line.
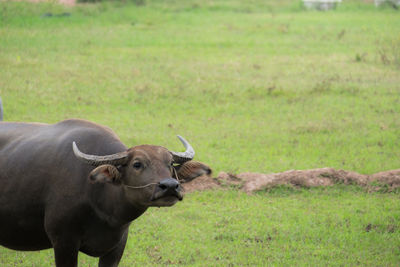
(63,2)
(251,182)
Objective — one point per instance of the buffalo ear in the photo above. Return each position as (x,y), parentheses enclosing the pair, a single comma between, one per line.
(105,174)
(191,170)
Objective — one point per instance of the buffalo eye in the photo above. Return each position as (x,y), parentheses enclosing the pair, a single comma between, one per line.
(137,165)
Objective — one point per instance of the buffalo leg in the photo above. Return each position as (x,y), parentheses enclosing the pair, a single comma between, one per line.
(112,258)
(66,256)
(65,244)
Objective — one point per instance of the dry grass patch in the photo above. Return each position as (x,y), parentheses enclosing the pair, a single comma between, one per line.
(251,182)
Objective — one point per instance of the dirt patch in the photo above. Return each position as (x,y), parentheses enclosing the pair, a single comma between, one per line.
(67,2)
(63,2)
(251,182)
(390,178)
(201,183)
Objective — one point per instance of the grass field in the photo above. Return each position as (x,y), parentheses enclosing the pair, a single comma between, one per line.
(320,227)
(261,86)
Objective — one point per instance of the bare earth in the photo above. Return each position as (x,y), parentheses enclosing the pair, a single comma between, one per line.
(250,182)
(63,2)
(67,2)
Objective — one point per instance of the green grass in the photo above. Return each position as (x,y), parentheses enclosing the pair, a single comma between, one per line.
(339,226)
(269,89)
(262,86)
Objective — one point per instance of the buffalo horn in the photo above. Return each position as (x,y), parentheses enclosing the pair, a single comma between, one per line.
(114,159)
(181,157)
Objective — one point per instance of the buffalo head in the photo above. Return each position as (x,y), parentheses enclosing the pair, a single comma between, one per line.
(148,175)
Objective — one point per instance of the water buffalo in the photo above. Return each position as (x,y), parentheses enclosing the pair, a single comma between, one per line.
(74,186)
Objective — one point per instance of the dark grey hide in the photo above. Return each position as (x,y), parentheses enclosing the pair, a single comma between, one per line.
(51,199)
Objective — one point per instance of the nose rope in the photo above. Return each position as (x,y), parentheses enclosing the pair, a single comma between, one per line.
(138,187)
(176,175)
(144,186)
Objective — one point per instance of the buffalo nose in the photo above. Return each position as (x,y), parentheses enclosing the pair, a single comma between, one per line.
(169,184)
